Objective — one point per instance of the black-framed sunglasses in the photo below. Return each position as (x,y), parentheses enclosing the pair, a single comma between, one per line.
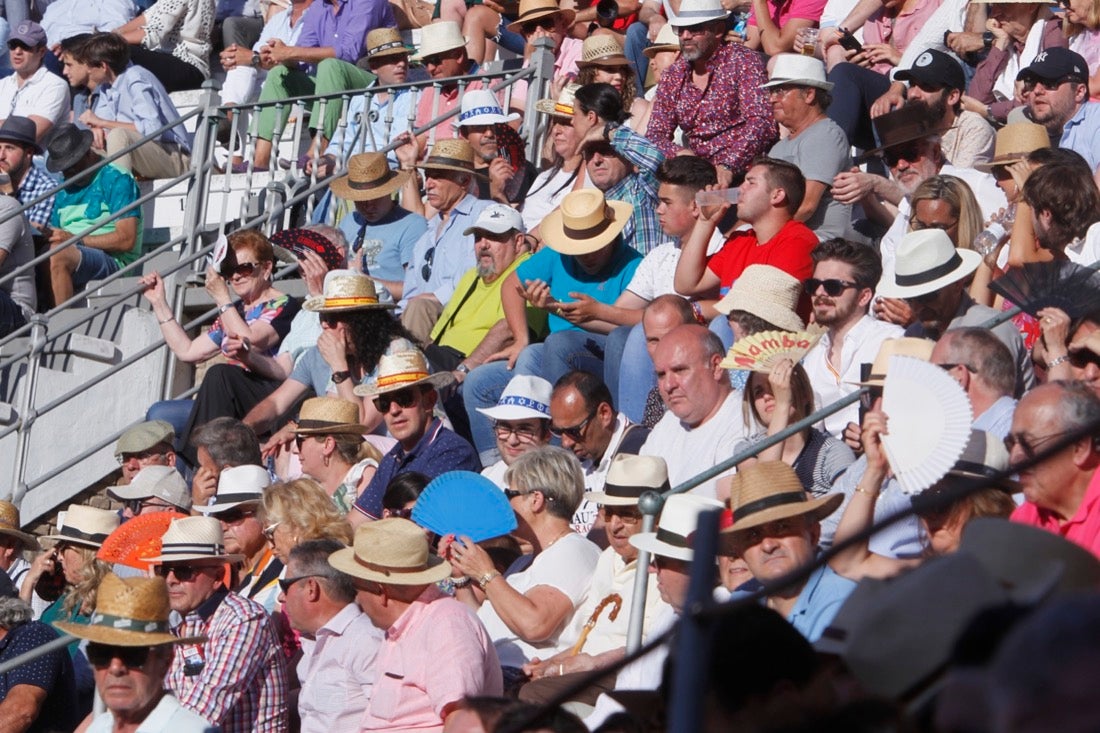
(604,150)
(1050,85)
(546,24)
(183,573)
(234,515)
(101,655)
(13,45)
(833,287)
(908,152)
(429,260)
(243,269)
(513,493)
(136,506)
(402,398)
(1082,358)
(300,439)
(574,433)
(285,583)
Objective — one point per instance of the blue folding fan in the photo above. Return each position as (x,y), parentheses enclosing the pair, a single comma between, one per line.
(464,503)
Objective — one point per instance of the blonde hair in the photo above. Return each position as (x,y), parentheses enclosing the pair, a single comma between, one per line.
(304,507)
(959,197)
(81,597)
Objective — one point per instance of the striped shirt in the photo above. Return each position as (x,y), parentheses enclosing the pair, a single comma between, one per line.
(35,183)
(237,677)
(639,189)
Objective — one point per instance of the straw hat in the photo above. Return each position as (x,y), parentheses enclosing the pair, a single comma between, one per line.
(798,70)
(402,369)
(345,290)
(161,482)
(585,222)
(563,105)
(237,485)
(84,525)
(926,261)
(480,107)
(385,42)
(10,526)
(193,538)
(524,397)
(601,50)
(451,154)
(329,416)
(391,551)
(676,527)
(1014,141)
(770,490)
(766,292)
(629,477)
(903,125)
(369,177)
(697,12)
(129,612)
(535,9)
(918,348)
(667,40)
(143,436)
(439,37)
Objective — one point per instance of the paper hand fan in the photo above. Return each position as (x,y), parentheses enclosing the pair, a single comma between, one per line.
(136,539)
(761,351)
(298,241)
(930,420)
(1036,285)
(464,503)
(221,249)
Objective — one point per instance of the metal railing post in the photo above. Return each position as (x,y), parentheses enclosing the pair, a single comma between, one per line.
(649,504)
(27,415)
(542,58)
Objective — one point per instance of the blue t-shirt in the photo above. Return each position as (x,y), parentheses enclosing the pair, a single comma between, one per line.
(387,245)
(51,672)
(564,275)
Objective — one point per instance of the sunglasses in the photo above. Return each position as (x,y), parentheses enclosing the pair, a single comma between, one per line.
(402,398)
(137,505)
(833,287)
(426,268)
(574,433)
(546,24)
(13,45)
(909,153)
(604,150)
(627,515)
(183,573)
(235,515)
(1031,446)
(241,269)
(331,319)
(300,439)
(269,532)
(1049,85)
(1084,357)
(510,494)
(285,583)
(101,655)
(917,225)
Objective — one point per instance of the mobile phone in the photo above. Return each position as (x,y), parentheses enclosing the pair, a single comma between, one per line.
(849,42)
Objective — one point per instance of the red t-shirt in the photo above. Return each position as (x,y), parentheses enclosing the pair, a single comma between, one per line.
(1082,529)
(789,250)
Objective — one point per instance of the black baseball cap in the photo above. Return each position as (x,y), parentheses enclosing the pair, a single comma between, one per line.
(935,68)
(1054,64)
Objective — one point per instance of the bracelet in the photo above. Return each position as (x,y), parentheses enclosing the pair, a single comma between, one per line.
(1057,360)
(462,582)
(872,494)
(169,319)
(487,578)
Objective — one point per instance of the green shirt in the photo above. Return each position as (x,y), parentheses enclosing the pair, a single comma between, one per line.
(77,207)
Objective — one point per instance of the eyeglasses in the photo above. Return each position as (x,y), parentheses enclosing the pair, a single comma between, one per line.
(145,455)
(183,573)
(513,493)
(524,433)
(780,90)
(101,655)
(269,532)
(242,269)
(137,506)
(575,433)
(833,287)
(949,367)
(627,515)
(402,398)
(917,225)
(546,24)
(234,515)
(1031,446)
(908,152)
(285,583)
(426,268)
(1050,86)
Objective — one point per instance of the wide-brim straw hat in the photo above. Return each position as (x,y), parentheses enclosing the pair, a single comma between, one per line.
(667,40)
(385,42)
(563,105)
(629,477)
(524,397)
(926,261)
(329,416)
(369,177)
(535,9)
(451,154)
(343,291)
(439,37)
(676,528)
(585,222)
(129,612)
(770,490)
(601,50)
(393,552)
(400,370)
(697,12)
(85,526)
(237,485)
(10,526)
(194,538)
(1014,142)
(768,293)
(798,70)
(917,348)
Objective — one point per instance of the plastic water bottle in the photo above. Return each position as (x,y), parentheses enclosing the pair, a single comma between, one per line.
(987,240)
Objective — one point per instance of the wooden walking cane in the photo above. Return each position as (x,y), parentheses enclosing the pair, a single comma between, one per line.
(590,624)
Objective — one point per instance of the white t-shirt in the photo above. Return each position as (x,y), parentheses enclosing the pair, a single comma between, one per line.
(45,94)
(657,270)
(167,717)
(1085,251)
(567,566)
(690,451)
(542,199)
(495,473)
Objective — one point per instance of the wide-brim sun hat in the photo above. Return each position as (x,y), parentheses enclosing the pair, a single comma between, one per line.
(697,12)
(393,552)
(602,50)
(451,154)
(237,486)
(385,42)
(400,370)
(480,107)
(676,528)
(1014,142)
(524,397)
(21,131)
(770,490)
(903,125)
(85,526)
(329,416)
(65,146)
(194,539)
(129,612)
(794,69)
(535,9)
(926,261)
(344,291)
(585,222)
(768,293)
(10,526)
(563,106)
(369,177)
(667,41)
(439,36)
(629,477)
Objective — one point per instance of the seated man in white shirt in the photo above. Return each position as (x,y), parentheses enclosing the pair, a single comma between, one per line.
(32,91)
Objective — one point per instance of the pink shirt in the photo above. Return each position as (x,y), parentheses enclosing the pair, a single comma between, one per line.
(434,655)
(801,9)
(448,100)
(900,30)
(1082,529)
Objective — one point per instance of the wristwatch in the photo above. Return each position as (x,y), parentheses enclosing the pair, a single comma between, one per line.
(338,377)
(987,39)
(487,578)
(462,368)
(256,59)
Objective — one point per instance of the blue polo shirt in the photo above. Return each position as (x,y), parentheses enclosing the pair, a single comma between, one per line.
(1082,133)
(817,604)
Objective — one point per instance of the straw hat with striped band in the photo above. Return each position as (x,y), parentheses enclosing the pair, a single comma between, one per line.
(345,290)
(451,154)
(535,9)
(129,612)
(402,369)
(601,51)
(562,106)
(393,552)
(585,222)
(629,477)
(369,177)
(84,525)
(193,538)
(10,526)
(770,490)
(237,485)
(329,416)
(676,527)
(385,42)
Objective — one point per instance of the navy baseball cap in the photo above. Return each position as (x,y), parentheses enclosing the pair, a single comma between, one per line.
(1054,64)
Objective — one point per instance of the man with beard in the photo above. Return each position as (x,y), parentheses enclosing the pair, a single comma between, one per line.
(932,276)
(17,150)
(485,126)
(936,82)
(1065,206)
(841,289)
(1057,92)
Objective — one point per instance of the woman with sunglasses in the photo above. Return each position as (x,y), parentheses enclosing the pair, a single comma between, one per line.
(295,511)
(252,316)
(332,451)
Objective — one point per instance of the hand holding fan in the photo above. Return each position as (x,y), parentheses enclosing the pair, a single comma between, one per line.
(464,503)
(760,352)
